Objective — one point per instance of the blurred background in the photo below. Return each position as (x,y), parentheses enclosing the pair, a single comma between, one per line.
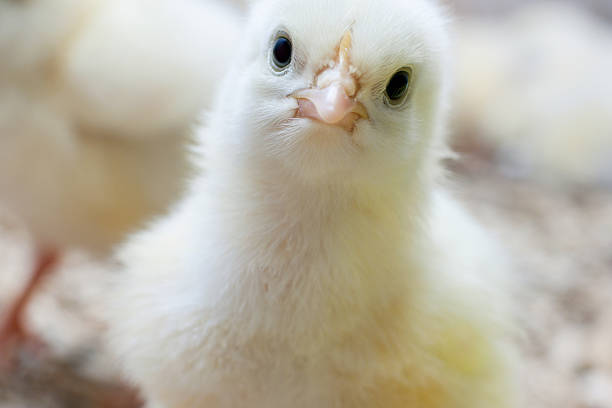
(532,121)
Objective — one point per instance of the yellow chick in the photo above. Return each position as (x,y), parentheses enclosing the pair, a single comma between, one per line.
(316,260)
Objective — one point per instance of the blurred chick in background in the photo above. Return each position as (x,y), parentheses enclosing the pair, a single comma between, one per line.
(535,88)
(97,102)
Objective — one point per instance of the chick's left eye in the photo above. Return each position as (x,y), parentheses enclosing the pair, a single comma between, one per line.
(398,87)
(281,53)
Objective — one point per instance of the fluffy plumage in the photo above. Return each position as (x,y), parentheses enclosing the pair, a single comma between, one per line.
(314,266)
(97,103)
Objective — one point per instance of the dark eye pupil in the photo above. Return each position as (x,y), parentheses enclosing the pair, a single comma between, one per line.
(398,85)
(282,52)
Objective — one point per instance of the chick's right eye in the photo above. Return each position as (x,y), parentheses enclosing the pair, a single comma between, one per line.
(281,53)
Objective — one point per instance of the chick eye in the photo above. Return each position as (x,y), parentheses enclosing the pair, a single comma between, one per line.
(398,87)
(281,52)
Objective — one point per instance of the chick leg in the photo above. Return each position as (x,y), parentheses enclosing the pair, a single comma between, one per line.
(13,331)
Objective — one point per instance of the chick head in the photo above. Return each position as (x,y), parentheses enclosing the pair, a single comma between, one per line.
(338,91)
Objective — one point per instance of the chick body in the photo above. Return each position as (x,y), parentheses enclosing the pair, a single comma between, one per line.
(424,337)
(314,266)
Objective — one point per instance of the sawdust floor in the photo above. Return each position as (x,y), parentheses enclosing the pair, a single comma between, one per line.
(559,238)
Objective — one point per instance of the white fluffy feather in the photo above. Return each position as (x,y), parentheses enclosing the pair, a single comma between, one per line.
(312,268)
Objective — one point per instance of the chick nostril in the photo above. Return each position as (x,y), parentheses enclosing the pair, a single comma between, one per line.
(350,87)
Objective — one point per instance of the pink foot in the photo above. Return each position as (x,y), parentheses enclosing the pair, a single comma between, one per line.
(13,334)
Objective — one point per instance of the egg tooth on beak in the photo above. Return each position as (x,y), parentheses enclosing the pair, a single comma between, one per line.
(332,100)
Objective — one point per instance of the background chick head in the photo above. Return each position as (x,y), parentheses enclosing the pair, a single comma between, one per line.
(338,91)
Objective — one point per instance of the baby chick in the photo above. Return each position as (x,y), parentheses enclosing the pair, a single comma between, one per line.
(316,261)
(553,123)
(97,102)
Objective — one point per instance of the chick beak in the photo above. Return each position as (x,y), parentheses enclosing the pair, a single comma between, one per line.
(332,100)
